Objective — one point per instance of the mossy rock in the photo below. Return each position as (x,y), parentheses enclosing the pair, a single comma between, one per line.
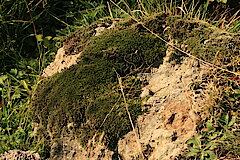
(206,42)
(75,102)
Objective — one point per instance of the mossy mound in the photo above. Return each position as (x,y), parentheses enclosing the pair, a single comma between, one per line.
(76,101)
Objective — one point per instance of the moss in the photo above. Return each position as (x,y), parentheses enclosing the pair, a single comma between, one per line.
(156,22)
(205,41)
(76,101)
(73,44)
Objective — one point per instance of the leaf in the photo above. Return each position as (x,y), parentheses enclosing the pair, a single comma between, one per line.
(2,79)
(13,71)
(8,129)
(193,152)
(21,131)
(25,85)
(190,154)
(223,1)
(20,74)
(237,91)
(190,141)
(204,154)
(48,37)
(231,99)
(213,145)
(39,37)
(233,120)
(212,155)
(213,136)
(226,119)
(15,96)
(46,43)
(209,125)
(195,141)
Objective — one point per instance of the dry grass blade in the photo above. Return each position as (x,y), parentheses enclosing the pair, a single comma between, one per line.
(129,115)
(109,112)
(233,20)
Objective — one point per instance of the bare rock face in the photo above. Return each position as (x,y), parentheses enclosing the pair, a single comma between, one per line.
(61,62)
(20,155)
(171,119)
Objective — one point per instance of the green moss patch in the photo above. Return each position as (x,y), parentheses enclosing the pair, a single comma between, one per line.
(206,42)
(76,101)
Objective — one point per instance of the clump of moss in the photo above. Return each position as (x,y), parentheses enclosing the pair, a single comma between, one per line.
(156,22)
(76,101)
(206,42)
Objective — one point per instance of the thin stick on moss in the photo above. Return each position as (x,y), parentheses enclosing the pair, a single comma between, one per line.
(129,115)
(110,112)
(107,116)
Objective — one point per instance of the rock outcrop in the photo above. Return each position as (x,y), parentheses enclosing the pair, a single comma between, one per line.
(90,96)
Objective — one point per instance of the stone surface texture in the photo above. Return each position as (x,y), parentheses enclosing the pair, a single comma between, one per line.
(171,117)
(61,62)
(20,155)
(66,149)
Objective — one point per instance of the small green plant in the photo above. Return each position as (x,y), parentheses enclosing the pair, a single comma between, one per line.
(15,130)
(222,1)
(219,136)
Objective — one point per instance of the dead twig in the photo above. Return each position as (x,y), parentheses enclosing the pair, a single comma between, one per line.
(129,115)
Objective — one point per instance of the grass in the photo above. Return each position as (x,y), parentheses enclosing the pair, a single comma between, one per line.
(16,130)
(218,134)
(28,42)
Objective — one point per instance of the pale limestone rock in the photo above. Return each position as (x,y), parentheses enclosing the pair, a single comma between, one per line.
(61,62)
(171,119)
